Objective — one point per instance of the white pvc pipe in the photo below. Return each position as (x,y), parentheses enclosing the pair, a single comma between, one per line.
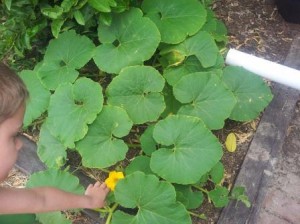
(267,69)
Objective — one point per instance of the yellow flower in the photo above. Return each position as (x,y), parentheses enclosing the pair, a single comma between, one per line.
(112,179)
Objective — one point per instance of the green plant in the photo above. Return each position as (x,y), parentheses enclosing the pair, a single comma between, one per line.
(159,69)
(19,26)
(29,24)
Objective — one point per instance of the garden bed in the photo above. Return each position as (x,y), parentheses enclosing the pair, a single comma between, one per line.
(254,27)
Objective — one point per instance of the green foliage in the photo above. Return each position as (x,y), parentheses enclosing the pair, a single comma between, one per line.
(252,99)
(184,140)
(19,219)
(239,194)
(139,163)
(206,97)
(55,178)
(50,147)
(175,20)
(216,173)
(138,90)
(130,39)
(201,45)
(188,197)
(52,217)
(56,68)
(72,107)
(35,105)
(155,200)
(148,72)
(20,24)
(219,196)
(103,138)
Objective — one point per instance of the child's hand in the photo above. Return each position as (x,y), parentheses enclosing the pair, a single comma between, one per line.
(97,193)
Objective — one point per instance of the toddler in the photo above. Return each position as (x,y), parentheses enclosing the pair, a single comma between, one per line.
(13,95)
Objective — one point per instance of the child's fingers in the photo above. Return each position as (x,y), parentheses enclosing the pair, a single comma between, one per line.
(104,187)
(97,184)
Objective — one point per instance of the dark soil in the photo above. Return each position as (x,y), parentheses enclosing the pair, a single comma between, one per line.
(256,27)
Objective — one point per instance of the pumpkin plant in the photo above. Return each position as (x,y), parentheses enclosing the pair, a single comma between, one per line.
(160,69)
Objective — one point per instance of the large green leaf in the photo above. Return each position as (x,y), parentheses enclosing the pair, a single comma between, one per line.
(190,65)
(72,107)
(129,40)
(175,19)
(217,173)
(39,97)
(172,104)
(68,52)
(155,200)
(175,73)
(202,45)
(51,151)
(53,73)
(189,149)
(139,163)
(217,29)
(206,97)
(252,93)
(52,217)
(18,219)
(102,147)
(59,179)
(56,178)
(148,144)
(191,199)
(138,90)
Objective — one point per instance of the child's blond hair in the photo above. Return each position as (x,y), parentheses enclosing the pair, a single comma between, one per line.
(13,92)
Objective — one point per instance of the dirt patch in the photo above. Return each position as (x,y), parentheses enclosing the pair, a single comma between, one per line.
(257,28)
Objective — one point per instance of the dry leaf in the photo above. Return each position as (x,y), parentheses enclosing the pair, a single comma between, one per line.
(230,142)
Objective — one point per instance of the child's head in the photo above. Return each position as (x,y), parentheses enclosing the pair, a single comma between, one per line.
(13,92)
(13,95)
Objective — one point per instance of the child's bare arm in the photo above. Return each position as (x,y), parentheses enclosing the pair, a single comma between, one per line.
(44,199)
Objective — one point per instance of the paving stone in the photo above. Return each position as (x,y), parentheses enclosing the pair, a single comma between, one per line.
(290,184)
(280,204)
(268,218)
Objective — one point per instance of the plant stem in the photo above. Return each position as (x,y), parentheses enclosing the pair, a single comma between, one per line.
(201,189)
(103,210)
(111,211)
(201,216)
(134,145)
(104,170)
